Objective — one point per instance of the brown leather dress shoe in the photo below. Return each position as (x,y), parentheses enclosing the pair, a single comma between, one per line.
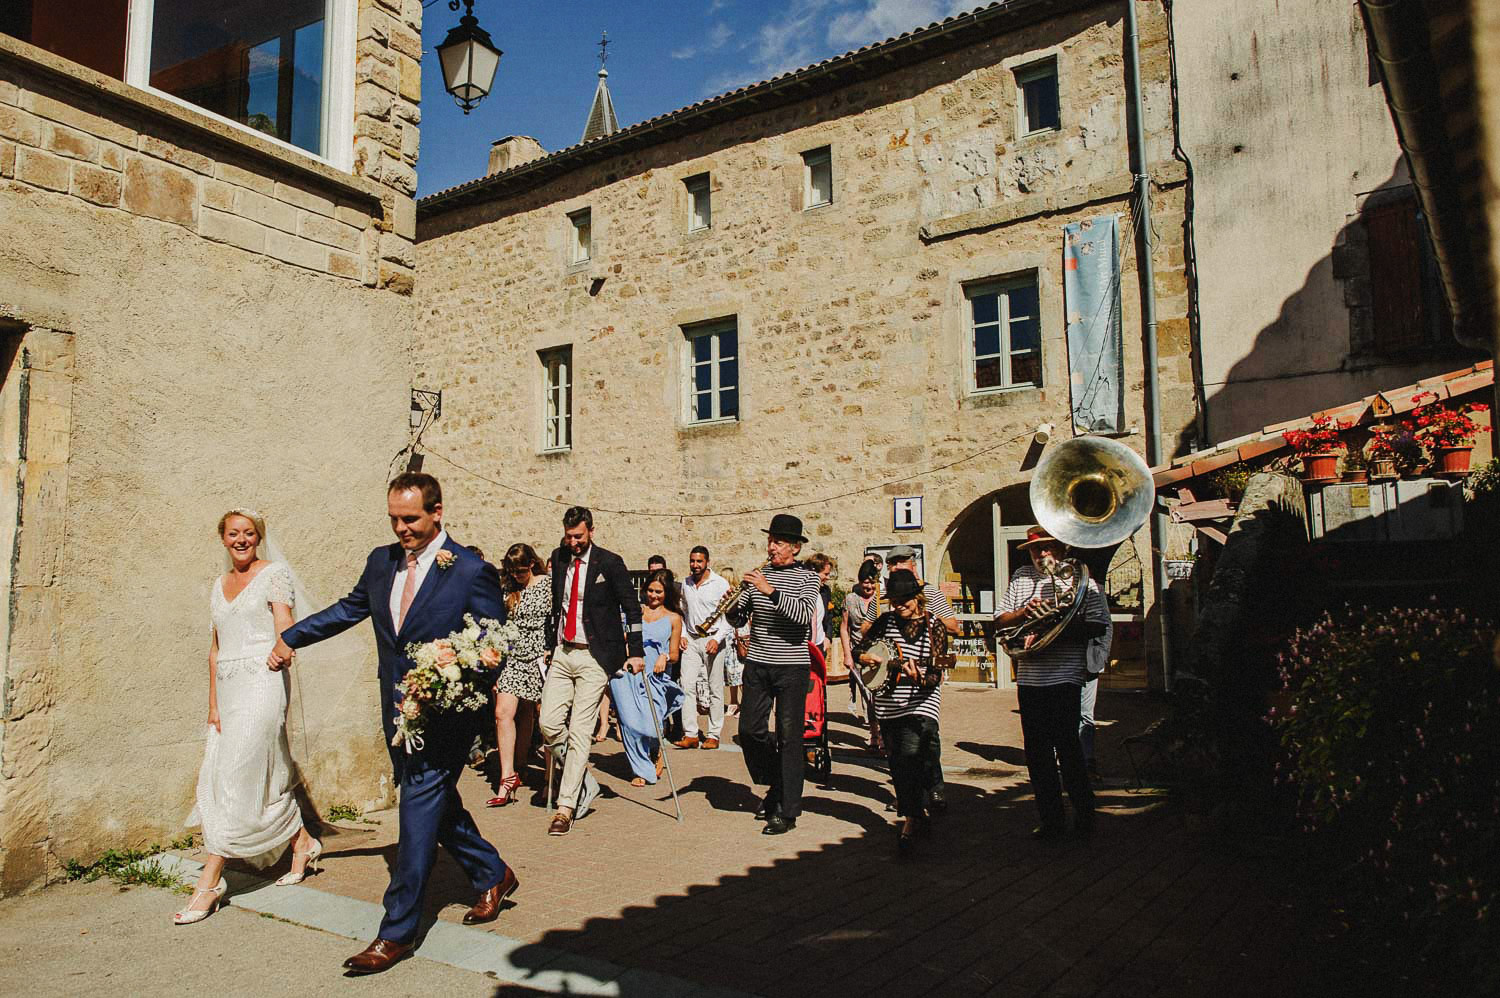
(691,741)
(382,954)
(488,905)
(560,824)
(710,743)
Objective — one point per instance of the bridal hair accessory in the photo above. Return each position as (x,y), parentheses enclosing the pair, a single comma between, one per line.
(251,514)
(445,559)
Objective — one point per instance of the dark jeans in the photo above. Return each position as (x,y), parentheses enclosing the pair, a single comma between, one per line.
(775,761)
(1049,726)
(909,742)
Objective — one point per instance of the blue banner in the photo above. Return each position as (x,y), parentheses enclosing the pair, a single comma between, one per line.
(1091,290)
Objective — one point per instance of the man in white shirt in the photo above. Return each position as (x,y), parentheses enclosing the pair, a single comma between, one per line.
(702,591)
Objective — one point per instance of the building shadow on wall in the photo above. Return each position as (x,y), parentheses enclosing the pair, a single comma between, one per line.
(1379,279)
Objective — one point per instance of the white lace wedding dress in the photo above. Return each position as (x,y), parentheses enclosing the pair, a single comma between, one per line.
(245,802)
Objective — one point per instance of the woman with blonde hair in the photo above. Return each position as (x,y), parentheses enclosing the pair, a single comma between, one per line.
(244,800)
(528,600)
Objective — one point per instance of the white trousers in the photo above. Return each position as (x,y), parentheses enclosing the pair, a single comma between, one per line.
(569,710)
(695,659)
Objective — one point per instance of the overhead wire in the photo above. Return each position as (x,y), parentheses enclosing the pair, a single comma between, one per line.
(680,515)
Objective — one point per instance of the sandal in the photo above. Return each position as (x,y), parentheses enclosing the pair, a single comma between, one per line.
(506,791)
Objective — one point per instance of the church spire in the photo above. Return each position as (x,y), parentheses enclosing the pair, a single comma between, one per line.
(602,119)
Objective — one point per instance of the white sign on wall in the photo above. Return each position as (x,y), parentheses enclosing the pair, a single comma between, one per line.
(907,513)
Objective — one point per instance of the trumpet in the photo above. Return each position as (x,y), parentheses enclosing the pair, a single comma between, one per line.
(701,630)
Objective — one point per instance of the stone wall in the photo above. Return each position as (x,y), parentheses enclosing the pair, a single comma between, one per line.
(851,316)
(195,318)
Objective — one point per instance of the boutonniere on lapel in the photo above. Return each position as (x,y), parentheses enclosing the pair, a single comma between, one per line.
(445,559)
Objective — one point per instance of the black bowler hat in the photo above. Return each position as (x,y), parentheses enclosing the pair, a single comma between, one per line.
(901,586)
(786,525)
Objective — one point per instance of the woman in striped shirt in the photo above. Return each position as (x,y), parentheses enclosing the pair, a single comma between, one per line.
(907,708)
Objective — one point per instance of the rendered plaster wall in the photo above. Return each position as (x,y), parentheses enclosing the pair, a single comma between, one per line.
(1288,132)
(851,321)
(199,320)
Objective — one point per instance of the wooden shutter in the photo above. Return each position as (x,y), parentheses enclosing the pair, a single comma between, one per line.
(1395,243)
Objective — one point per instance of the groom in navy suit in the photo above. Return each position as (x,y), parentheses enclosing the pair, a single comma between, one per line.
(418,590)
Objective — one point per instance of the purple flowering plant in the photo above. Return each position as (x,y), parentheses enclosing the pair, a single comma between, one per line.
(1390,734)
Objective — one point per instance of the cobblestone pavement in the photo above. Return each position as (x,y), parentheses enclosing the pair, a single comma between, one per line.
(1147,908)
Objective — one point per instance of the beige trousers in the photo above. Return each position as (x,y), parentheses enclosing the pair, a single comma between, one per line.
(569,711)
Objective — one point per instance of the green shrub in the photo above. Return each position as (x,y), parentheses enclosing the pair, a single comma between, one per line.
(1392,743)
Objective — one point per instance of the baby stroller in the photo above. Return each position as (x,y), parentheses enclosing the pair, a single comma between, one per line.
(815,720)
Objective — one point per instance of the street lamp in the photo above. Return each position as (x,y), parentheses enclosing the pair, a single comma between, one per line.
(469,59)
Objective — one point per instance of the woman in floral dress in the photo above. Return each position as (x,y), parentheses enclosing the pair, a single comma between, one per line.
(528,600)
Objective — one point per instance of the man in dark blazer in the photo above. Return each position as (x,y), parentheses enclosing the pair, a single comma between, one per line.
(414,591)
(591,592)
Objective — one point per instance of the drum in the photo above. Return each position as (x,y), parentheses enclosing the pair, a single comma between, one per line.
(887,661)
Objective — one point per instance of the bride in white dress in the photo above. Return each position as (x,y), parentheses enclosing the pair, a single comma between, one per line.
(245,802)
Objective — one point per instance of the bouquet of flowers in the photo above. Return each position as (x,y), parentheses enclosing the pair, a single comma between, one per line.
(1440,426)
(451,674)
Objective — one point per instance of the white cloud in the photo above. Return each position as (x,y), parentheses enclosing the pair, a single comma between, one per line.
(719,34)
(718,5)
(807,31)
(684,53)
(882,19)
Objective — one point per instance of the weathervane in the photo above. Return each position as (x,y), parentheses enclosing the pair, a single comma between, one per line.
(603,49)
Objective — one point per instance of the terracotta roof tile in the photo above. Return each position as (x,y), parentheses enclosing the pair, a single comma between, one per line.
(1269,440)
(1257,448)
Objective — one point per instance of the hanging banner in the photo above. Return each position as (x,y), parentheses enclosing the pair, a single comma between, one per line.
(1091,290)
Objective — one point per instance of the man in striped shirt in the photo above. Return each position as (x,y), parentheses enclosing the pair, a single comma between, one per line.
(1049,683)
(779,599)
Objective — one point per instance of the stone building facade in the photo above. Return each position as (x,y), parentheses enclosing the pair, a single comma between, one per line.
(855,377)
(195,316)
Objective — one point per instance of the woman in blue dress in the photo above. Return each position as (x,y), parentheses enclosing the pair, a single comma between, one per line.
(661,638)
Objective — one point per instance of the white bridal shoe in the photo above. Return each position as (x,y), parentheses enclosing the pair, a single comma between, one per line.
(188,915)
(292,879)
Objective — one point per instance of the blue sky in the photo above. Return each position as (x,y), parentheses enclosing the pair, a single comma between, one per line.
(663,54)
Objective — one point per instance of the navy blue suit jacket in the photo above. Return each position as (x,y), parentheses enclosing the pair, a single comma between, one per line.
(470,585)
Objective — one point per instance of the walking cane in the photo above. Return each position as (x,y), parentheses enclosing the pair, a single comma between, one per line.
(660,742)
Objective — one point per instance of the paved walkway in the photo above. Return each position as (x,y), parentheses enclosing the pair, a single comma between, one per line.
(632,903)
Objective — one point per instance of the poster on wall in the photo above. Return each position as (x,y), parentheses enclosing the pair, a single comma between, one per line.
(884,550)
(1091,291)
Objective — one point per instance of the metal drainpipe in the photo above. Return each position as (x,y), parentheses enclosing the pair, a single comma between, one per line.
(1148,320)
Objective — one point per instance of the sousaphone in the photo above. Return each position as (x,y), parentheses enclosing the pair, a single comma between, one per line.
(1088,492)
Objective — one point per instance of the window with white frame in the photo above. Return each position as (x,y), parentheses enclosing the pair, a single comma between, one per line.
(713,382)
(581,235)
(817,177)
(1036,85)
(557,398)
(1005,334)
(284,68)
(700,209)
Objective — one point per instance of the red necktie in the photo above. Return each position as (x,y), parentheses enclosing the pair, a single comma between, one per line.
(570,632)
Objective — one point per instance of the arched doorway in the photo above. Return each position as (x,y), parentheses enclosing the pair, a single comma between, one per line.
(977,558)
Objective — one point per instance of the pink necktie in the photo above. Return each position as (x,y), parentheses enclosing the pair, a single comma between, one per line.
(409,590)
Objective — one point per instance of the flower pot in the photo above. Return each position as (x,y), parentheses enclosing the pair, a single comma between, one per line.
(1356,474)
(1383,467)
(1322,467)
(1453,460)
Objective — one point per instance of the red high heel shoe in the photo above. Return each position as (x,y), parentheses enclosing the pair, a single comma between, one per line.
(507,795)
